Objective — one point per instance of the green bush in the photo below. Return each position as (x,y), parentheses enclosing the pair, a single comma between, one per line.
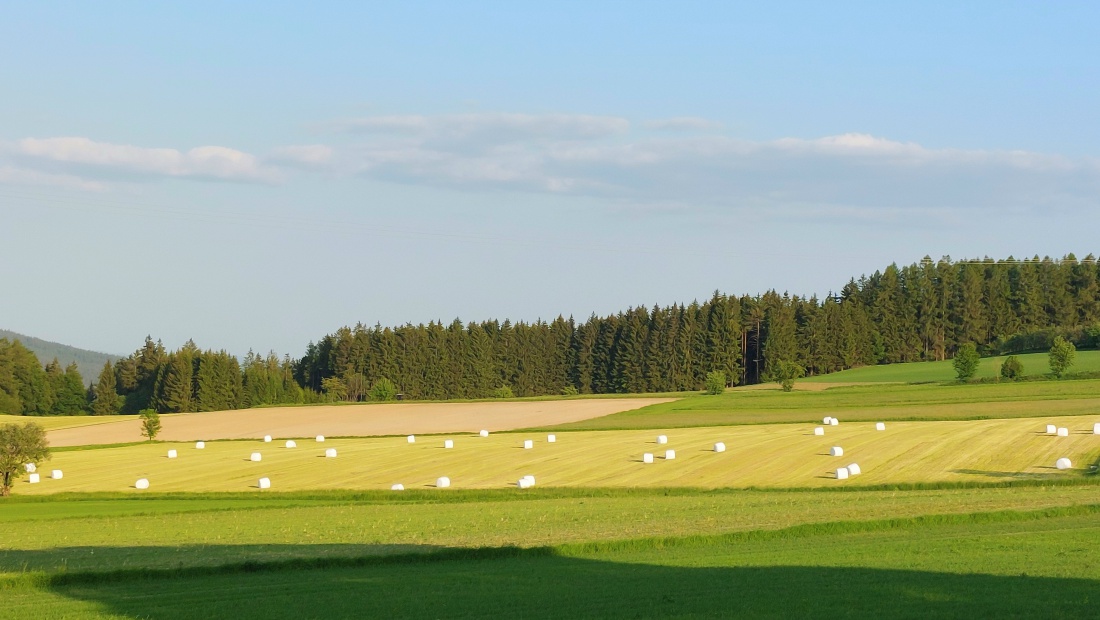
(716,382)
(150,423)
(1062,355)
(1012,368)
(570,391)
(966,361)
(383,390)
(503,391)
(786,372)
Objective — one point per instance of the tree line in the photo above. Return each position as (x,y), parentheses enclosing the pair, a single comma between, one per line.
(923,311)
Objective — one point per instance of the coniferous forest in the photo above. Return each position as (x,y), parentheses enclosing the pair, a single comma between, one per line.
(923,311)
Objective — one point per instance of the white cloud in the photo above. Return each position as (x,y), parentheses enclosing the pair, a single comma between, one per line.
(302,155)
(848,175)
(87,159)
(682,123)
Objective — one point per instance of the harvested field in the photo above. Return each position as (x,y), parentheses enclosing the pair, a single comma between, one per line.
(353,420)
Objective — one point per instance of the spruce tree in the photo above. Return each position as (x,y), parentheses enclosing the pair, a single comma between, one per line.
(106,400)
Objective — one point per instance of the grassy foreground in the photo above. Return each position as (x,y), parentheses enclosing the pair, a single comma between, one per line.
(984,565)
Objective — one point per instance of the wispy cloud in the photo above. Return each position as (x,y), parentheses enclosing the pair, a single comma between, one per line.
(104,161)
(682,123)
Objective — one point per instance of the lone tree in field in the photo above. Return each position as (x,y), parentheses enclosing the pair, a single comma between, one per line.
(1012,368)
(150,423)
(786,372)
(383,390)
(1062,354)
(716,382)
(966,361)
(20,444)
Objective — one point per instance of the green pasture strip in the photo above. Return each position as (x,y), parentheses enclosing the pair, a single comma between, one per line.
(211,538)
(924,372)
(886,402)
(1005,564)
(516,399)
(109,505)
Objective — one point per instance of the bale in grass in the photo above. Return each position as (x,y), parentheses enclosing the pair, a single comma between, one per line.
(256,457)
(662,439)
(484,433)
(265,483)
(647,458)
(33,478)
(172,454)
(57,474)
(670,455)
(142,483)
(530,478)
(524,483)
(397,487)
(442,482)
(826,420)
(1063,432)
(837,451)
(854,469)
(1063,463)
(842,473)
(411,438)
(267,438)
(528,444)
(200,445)
(719,447)
(1051,429)
(551,438)
(330,453)
(290,443)
(880,426)
(1096,429)
(31,468)
(447,443)
(833,422)
(819,431)
(320,438)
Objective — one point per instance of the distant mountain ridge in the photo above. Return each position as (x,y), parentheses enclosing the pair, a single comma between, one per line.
(90,363)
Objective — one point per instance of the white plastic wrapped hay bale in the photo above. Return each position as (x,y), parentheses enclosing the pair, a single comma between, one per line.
(670,455)
(551,439)
(31,468)
(442,482)
(397,487)
(836,451)
(854,469)
(290,443)
(320,438)
(834,422)
(528,444)
(1096,429)
(172,454)
(719,447)
(200,445)
(330,453)
(529,478)
(662,439)
(647,458)
(1063,463)
(484,433)
(265,483)
(1051,429)
(880,426)
(142,483)
(826,420)
(1063,432)
(256,457)
(448,444)
(819,431)
(33,478)
(57,474)
(842,473)
(524,483)
(267,438)
(411,439)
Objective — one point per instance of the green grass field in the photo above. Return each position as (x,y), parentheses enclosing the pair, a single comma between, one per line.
(927,372)
(959,513)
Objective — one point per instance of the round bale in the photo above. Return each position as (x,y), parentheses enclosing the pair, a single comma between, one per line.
(836,451)
(1063,463)
(442,482)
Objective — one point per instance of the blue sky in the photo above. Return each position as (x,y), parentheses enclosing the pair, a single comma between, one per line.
(255,176)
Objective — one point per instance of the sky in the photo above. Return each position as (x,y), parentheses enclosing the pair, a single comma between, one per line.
(257,175)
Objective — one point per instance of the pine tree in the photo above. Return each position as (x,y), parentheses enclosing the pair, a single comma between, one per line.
(106,400)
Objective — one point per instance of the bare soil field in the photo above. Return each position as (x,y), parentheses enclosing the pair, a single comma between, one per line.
(352,420)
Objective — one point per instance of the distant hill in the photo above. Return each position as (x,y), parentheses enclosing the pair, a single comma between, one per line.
(90,363)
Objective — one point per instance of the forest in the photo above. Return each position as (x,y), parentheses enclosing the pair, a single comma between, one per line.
(923,311)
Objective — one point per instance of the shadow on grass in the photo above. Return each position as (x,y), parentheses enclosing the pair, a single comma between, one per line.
(536,583)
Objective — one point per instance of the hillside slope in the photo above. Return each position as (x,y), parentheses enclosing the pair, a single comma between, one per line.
(90,363)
